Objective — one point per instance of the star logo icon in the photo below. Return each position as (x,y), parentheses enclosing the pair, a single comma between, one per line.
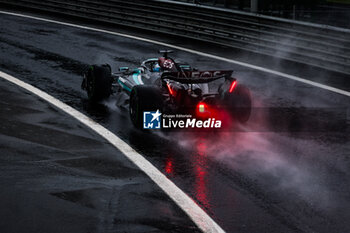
(151,120)
(156,115)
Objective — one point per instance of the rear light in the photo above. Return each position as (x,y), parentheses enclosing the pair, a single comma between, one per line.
(233,85)
(201,108)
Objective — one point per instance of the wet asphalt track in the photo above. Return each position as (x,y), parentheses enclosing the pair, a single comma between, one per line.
(58,176)
(277,176)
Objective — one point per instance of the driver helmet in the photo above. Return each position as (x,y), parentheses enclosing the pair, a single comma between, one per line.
(156,67)
(166,64)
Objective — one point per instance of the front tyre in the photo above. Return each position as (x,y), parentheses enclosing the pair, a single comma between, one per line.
(144,98)
(98,82)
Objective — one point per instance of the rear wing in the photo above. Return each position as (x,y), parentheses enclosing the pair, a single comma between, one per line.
(191,77)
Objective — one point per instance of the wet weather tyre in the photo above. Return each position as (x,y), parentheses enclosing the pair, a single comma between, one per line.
(144,98)
(98,82)
(239,103)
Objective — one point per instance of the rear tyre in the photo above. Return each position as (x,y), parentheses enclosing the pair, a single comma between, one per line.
(144,98)
(239,103)
(98,82)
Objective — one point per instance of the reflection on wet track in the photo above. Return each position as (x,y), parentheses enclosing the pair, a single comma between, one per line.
(201,180)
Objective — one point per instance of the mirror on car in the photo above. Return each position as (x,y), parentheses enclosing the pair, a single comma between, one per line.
(122,69)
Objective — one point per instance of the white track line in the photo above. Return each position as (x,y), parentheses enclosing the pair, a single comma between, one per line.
(277,73)
(199,217)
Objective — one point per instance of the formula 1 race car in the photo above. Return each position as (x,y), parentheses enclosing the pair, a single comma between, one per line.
(169,86)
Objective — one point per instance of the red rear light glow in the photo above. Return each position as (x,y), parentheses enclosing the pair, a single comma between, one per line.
(169,88)
(233,85)
(201,108)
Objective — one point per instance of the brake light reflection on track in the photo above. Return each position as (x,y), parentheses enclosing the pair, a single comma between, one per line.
(169,166)
(201,178)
